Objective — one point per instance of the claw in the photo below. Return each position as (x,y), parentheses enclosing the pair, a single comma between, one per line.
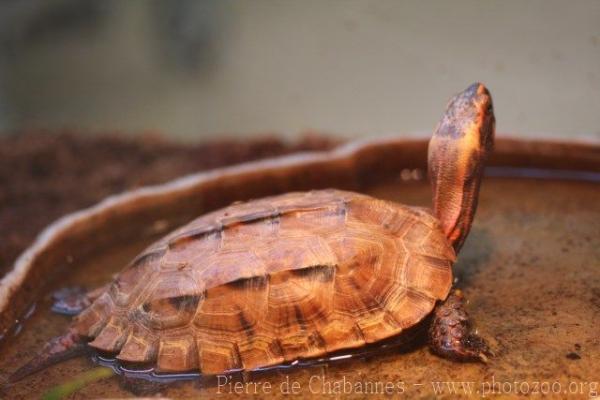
(451,336)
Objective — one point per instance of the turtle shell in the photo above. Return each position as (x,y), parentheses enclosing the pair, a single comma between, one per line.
(274,280)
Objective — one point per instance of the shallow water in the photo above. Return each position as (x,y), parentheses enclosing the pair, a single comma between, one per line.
(531,269)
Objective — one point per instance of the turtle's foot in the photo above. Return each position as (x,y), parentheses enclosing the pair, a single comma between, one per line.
(450,334)
(73,300)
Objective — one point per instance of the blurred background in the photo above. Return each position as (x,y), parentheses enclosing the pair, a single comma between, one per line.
(198,69)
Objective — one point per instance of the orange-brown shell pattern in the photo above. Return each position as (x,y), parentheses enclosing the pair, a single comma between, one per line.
(269,281)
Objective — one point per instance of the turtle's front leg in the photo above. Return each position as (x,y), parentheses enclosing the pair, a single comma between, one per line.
(450,333)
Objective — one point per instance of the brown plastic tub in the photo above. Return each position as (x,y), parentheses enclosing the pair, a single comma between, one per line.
(531,266)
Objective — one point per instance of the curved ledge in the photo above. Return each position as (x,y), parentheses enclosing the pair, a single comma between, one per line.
(152,210)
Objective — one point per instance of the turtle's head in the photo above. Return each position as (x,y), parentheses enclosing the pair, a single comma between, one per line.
(458,150)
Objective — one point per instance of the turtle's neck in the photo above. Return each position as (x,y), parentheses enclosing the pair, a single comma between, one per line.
(458,151)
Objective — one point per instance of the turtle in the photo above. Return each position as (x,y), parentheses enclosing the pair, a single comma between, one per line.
(299,275)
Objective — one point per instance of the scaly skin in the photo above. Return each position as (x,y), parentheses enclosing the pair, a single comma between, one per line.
(61,348)
(451,335)
(464,138)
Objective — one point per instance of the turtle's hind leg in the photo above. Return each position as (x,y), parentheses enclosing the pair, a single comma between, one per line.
(72,300)
(59,349)
(450,333)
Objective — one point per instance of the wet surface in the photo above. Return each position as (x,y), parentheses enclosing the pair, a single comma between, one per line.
(530,268)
